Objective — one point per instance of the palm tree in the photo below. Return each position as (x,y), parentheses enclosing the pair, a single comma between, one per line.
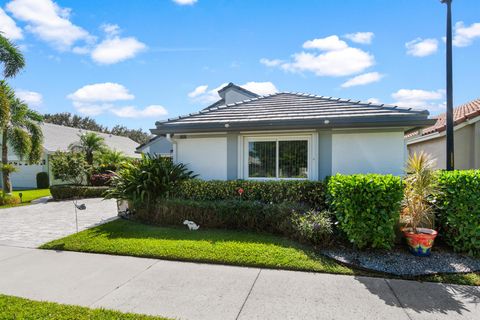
(20,129)
(89,143)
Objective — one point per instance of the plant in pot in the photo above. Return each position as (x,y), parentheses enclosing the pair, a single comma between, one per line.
(418,212)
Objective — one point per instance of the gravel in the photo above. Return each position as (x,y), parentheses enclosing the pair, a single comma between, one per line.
(399,261)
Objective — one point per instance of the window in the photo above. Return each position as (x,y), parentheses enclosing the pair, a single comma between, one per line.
(272,158)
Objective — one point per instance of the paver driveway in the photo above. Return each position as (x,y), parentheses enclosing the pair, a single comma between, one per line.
(30,226)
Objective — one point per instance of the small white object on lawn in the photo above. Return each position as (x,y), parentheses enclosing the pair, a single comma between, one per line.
(191,225)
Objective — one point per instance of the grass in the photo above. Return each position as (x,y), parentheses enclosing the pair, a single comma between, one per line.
(123,237)
(19,308)
(28,196)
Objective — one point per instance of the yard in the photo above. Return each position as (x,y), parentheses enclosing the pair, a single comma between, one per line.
(28,196)
(123,237)
(19,308)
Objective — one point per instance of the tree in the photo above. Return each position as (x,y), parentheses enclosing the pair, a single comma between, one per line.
(20,129)
(70,167)
(89,143)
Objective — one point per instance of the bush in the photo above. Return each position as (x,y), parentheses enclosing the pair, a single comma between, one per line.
(70,167)
(311,193)
(229,214)
(43,182)
(367,207)
(62,192)
(145,181)
(458,204)
(313,226)
(6,199)
(101,179)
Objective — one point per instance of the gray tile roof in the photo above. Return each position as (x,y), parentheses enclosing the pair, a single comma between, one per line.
(58,138)
(294,110)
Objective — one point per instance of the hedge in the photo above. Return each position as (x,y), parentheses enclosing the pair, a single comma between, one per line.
(227,214)
(367,207)
(310,193)
(458,204)
(43,181)
(62,192)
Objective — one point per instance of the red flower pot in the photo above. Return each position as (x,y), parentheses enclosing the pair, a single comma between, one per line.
(420,244)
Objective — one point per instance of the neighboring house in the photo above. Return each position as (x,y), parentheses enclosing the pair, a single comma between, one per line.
(466,135)
(58,138)
(158,145)
(290,136)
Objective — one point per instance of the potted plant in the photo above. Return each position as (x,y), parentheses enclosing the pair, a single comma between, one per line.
(418,212)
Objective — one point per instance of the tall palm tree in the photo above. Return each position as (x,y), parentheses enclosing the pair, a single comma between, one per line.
(20,129)
(13,61)
(89,143)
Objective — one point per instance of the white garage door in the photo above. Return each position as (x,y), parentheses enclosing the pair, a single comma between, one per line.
(26,177)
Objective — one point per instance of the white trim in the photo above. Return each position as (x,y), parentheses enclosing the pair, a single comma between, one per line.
(312,142)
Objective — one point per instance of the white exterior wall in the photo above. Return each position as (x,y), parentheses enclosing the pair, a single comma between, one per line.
(371,152)
(206,157)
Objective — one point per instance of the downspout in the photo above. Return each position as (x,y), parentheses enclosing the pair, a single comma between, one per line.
(174,146)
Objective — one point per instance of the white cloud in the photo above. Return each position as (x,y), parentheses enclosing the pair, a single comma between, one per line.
(9,27)
(421,47)
(116,49)
(198,91)
(335,59)
(107,91)
(420,99)
(185,2)
(134,112)
(32,98)
(362,79)
(361,37)
(464,36)
(271,63)
(326,44)
(49,22)
(202,95)
(374,101)
(110,29)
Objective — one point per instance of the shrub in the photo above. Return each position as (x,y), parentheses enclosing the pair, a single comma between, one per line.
(8,199)
(145,181)
(311,193)
(313,226)
(70,167)
(367,207)
(229,214)
(101,179)
(62,192)
(458,204)
(43,181)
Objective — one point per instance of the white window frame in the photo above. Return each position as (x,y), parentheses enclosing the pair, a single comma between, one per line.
(276,138)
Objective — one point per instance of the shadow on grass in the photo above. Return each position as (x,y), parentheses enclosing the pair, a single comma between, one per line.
(425,297)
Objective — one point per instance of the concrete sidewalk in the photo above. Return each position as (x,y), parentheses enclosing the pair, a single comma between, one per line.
(202,291)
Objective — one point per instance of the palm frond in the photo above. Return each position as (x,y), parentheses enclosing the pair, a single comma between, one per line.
(11,57)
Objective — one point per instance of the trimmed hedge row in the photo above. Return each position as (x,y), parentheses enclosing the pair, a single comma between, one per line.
(459,209)
(311,193)
(367,207)
(229,214)
(63,192)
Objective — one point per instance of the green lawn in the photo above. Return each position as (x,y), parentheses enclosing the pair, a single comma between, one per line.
(19,308)
(27,196)
(123,237)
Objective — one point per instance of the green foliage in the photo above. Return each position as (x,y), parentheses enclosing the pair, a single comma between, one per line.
(69,166)
(458,204)
(229,214)
(109,160)
(367,207)
(89,143)
(43,181)
(8,168)
(11,57)
(312,193)
(62,192)
(24,309)
(145,181)
(8,199)
(313,226)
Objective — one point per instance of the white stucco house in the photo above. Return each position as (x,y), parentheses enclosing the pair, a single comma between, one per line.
(157,146)
(466,135)
(59,138)
(290,136)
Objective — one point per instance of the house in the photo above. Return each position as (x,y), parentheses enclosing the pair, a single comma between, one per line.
(466,135)
(290,136)
(156,146)
(58,138)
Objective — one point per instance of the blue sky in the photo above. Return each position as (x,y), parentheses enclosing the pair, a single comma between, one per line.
(135,62)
